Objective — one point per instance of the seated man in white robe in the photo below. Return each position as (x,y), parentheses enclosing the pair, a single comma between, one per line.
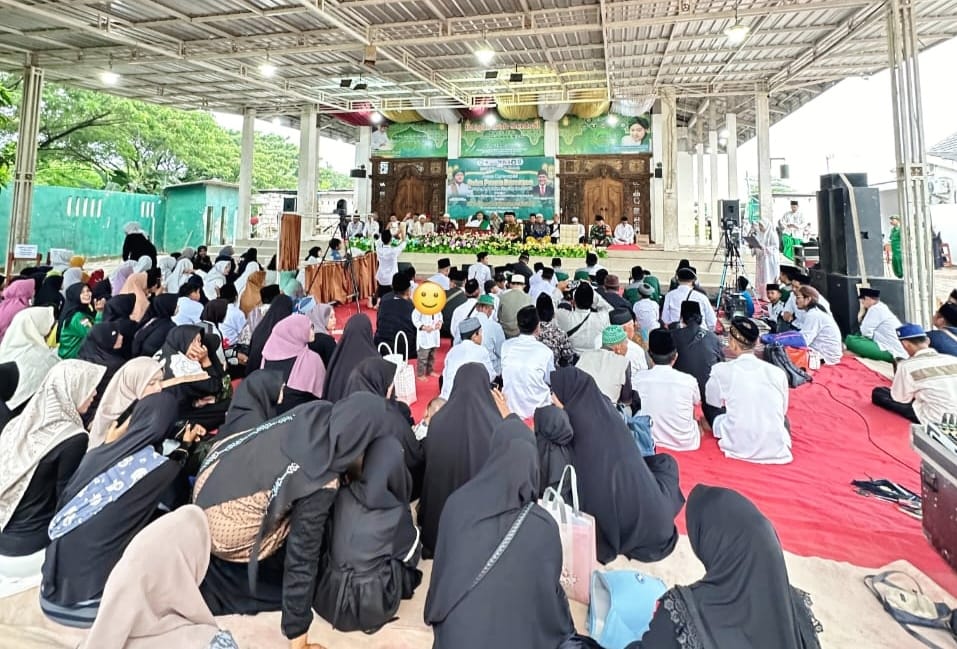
(624,232)
(754,396)
(470,350)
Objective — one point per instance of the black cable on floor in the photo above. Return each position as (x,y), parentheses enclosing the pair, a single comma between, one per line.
(867,427)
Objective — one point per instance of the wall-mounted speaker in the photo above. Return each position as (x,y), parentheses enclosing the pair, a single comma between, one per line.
(358,173)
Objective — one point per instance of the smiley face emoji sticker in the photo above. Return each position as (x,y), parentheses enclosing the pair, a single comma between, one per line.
(429,298)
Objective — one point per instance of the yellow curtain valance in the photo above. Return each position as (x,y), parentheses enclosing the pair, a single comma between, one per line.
(402,116)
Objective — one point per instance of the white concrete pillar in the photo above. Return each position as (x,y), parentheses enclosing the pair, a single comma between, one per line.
(247,151)
(703,213)
(762,122)
(363,186)
(732,149)
(657,193)
(306,200)
(25,163)
(669,164)
(551,151)
(455,140)
(911,157)
(713,181)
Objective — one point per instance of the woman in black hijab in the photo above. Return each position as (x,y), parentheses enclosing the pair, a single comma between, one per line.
(376,375)
(88,536)
(9,379)
(244,260)
(354,346)
(102,346)
(257,399)
(267,494)
(159,320)
(553,437)
(370,565)
(119,311)
(745,600)
(457,445)
(520,601)
(203,394)
(634,500)
(281,308)
(48,294)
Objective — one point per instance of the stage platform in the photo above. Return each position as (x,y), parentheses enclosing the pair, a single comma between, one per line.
(652,257)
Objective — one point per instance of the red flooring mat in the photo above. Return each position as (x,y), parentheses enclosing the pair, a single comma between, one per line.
(810,501)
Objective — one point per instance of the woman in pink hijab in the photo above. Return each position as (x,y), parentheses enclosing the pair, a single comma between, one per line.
(16,298)
(287,351)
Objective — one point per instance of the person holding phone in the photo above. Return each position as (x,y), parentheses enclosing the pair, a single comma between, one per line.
(186,353)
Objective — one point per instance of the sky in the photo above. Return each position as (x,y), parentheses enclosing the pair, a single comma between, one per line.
(341,156)
(853,122)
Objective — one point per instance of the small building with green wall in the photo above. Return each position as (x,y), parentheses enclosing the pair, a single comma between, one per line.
(90,221)
(200,213)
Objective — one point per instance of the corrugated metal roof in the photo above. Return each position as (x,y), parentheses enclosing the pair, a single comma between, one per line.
(946,148)
(208,54)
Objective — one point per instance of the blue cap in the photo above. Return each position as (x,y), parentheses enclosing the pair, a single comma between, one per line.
(908,330)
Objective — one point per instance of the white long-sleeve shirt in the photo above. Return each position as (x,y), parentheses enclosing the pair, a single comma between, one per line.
(481,273)
(527,366)
(672,309)
(648,313)
(669,397)
(442,280)
(880,325)
(755,394)
(624,233)
(822,335)
(427,339)
(388,262)
(466,352)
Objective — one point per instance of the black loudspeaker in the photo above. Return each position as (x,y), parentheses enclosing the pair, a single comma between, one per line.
(730,212)
(840,226)
(289,203)
(841,292)
(358,173)
(659,172)
(824,230)
(833,181)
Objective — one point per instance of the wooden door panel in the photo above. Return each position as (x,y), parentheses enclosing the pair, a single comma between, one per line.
(410,196)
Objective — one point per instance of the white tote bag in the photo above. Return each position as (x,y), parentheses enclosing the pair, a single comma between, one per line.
(404,388)
(577,532)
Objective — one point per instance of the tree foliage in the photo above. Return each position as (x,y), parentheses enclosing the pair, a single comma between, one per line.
(91,139)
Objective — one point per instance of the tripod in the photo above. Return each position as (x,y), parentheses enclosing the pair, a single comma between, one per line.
(732,261)
(349,267)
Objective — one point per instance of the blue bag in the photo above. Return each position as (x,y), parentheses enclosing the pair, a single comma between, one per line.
(640,427)
(787,339)
(622,605)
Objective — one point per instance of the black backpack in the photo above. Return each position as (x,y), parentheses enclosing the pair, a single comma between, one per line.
(775,354)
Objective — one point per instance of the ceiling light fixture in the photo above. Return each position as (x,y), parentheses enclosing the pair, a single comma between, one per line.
(737,32)
(376,118)
(267,69)
(612,120)
(485,55)
(109,78)
(490,119)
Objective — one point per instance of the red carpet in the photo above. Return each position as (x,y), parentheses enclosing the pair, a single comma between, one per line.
(621,246)
(810,501)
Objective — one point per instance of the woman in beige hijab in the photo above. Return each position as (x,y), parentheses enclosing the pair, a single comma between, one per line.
(136,379)
(136,285)
(152,598)
(25,343)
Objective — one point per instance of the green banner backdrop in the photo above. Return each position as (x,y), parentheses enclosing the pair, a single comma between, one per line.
(504,138)
(577,136)
(412,140)
(522,185)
